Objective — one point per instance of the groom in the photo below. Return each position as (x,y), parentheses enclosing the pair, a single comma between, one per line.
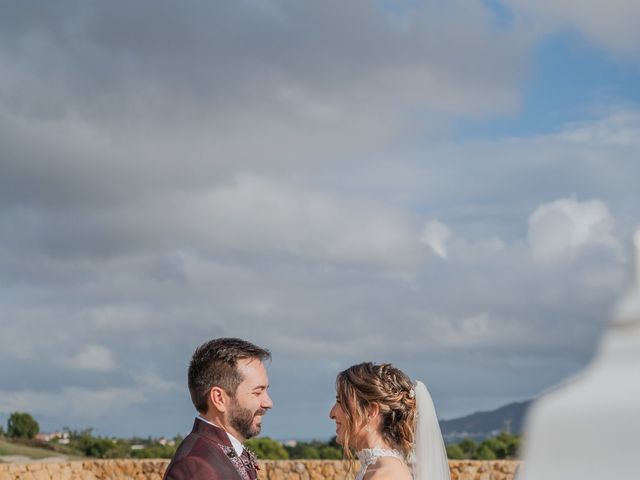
(228,385)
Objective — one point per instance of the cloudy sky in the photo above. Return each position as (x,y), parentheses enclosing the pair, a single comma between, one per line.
(450,186)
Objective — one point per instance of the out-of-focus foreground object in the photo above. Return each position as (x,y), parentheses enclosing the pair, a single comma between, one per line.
(590,428)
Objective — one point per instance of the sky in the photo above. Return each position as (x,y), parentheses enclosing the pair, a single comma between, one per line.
(447,186)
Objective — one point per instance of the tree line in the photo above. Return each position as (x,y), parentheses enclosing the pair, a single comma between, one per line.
(22,426)
(268,449)
(502,446)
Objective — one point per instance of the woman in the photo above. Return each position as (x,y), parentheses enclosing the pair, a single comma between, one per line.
(390,422)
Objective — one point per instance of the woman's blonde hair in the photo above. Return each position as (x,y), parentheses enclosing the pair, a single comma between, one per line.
(360,386)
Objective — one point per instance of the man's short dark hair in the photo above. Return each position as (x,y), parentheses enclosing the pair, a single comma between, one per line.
(215,364)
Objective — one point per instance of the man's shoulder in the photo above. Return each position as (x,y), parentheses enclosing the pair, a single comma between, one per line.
(199,457)
(197,446)
(189,467)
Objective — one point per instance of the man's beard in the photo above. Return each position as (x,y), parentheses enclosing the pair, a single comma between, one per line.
(241,419)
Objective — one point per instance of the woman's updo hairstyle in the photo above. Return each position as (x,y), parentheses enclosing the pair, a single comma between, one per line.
(360,386)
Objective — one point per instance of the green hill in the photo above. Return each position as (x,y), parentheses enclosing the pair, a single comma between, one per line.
(31,450)
(482,425)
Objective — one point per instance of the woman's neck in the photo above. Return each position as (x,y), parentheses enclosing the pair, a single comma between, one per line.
(373,440)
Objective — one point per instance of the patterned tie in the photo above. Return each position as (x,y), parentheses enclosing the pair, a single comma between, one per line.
(249,464)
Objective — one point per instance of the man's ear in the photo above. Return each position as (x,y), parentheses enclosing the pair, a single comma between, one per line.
(219,399)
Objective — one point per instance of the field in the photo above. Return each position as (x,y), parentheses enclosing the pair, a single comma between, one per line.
(16,449)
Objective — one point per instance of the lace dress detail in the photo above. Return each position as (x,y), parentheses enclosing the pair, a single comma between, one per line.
(369,456)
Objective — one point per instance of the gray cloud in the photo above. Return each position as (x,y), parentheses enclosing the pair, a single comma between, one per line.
(173,172)
(170,94)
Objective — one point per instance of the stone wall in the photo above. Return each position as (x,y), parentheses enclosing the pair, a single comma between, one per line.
(87,470)
(338,470)
(270,470)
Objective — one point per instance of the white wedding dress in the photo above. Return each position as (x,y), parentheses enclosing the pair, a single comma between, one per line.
(369,456)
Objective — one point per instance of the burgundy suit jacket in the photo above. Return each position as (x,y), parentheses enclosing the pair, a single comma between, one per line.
(207,454)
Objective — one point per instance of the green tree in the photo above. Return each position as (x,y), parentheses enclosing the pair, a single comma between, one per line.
(96,447)
(309,452)
(155,451)
(468,447)
(22,425)
(498,447)
(511,442)
(267,449)
(329,452)
(485,453)
(75,435)
(84,442)
(454,452)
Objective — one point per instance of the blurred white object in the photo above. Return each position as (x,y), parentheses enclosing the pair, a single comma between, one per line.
(590,428)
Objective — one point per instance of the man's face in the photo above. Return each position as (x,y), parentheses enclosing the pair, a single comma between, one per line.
(251,399)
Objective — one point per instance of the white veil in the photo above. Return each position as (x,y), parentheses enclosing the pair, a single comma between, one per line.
(429,454)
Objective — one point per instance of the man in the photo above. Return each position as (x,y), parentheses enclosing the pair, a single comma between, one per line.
(228,385)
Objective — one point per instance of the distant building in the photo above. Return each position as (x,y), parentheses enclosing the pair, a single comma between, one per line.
(61,437)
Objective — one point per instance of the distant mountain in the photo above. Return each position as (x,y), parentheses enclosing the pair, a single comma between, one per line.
(481,425)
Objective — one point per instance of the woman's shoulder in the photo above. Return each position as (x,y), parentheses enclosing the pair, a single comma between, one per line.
(388,468)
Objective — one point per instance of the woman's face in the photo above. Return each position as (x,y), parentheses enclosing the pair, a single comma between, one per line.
(337,415)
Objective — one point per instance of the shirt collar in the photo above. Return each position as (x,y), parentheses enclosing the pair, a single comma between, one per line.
(237,444)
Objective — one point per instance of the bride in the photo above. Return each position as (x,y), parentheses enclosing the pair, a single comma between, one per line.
(390,422)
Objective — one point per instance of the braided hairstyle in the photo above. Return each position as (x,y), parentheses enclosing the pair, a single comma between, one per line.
(360,386)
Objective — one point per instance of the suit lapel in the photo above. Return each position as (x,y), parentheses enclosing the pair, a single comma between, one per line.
(219,437)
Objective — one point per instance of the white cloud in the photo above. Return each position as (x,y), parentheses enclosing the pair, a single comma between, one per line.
(620,128)
(257,213)
(93,357)
(565,226)
(436,235)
